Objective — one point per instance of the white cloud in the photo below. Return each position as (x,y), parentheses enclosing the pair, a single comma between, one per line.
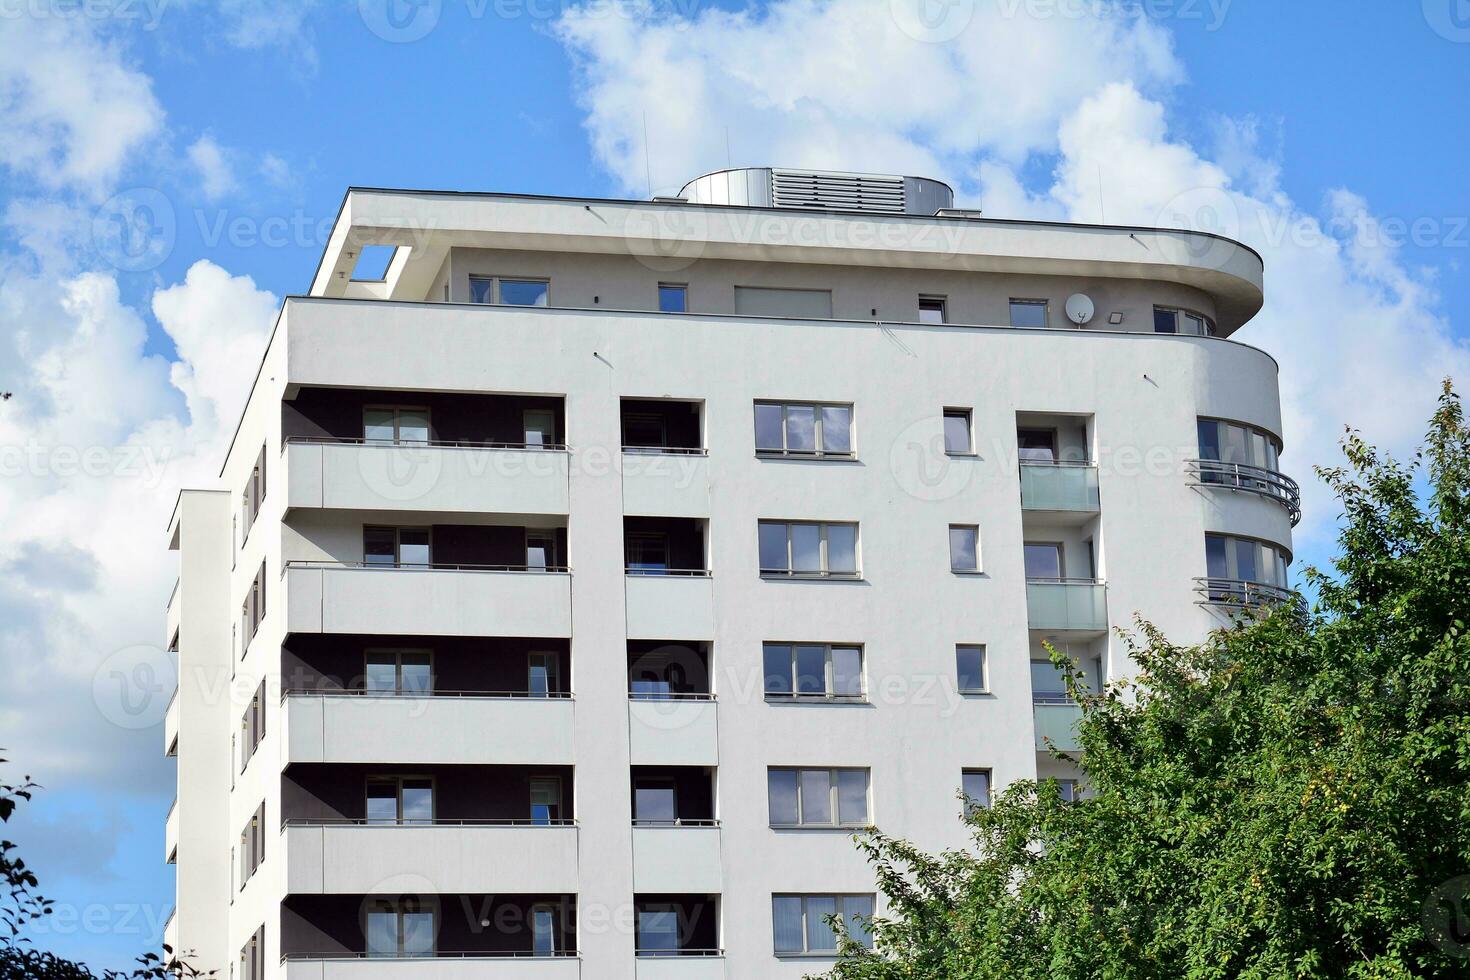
(276,171)
(216,173)
(75,111)
(842,84)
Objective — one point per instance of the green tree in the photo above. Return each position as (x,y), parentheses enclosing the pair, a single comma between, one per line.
(1289,799)
(21,904)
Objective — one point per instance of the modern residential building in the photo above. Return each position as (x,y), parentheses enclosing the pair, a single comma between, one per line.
(584,574)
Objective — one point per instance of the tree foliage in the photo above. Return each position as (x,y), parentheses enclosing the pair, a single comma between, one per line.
(1288,799)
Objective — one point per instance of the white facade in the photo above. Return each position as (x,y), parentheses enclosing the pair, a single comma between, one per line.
(527,551)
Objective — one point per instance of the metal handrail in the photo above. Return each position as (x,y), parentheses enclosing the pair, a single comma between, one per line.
(307,692)
(1046,697)
(1078,463)
(794,573)
(169,921)
(656,953)
(669,696)
(485,822)
(665,451)
(171,808)
(670,572)
(1032,580)
(438,954)
(815,696)
(1235,591)
(426,566)
(676,822)
(1249,479)
(805,453)
(559,447)
(172,595)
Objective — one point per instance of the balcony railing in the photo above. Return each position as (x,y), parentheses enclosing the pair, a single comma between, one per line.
(665,451)
(307,692)
(438,954)
(435,822)
(645,953)
(669,696)
(1239,592)
(1056,723)
(1060,485)
(1066,604)
(1249,479)
(676,822)
(672,572)
(421,444)
(424,566)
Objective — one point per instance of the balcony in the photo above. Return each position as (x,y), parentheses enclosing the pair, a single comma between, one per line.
(675,929)
(1059,487)
(171,726)
(1056,724)
(171,833)
(692,964)
(1066,604)
(354,857)
(672,603)
(673,730)
(442,728)
(171,930)
(1240,592)
(444,966)
(428,600)
(171,614)
(444,477)
(683,856)
(1220,475)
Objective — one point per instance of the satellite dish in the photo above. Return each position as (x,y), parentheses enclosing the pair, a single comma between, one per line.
(1079,308)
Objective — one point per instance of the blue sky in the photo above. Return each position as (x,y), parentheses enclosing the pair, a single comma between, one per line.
(1313,126)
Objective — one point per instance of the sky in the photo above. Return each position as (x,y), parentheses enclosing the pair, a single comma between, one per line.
(169,169)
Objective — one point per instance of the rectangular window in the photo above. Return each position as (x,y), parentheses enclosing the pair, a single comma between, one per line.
(805,304)
(1068,789)
(510,292)
(654,801)
(403,929)
(1028,312)
(407,672)
(538,427)
(645,430)
(964,548)
(646,552)
(545,800)
(817,797)
(1245,560)
(809,549)
(395,546)
(803,429)
(813,670)
(801,924)
(541,551)
(252,957)
(970,667)
(395,424)
(1043,560)
(933,309)
(658,930)
(399,800)
(673,297)
(251,851)
(1048,684)
(1037,445)
(1165,321)
(253,495)
(958,432)
(975,784)
(543,674)
(252,727)
(543,930)
(1187,322)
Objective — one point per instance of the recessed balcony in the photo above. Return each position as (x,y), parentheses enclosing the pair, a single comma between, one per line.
(1217,474)
(665,467)
(676,928)
(171,833)
(171,725)
(445,966)
(1066,604)
(428,599)
(1059,487)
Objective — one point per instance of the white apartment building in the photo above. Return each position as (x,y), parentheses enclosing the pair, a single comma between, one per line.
(578,584)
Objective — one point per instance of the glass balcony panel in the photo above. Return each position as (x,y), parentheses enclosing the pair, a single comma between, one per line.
(1079,604)
(1058,487)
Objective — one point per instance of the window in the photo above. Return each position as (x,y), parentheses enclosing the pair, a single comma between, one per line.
(646,552)
(405,928)
(1043,560)
(932,309)
(253,495)
(1048,684)
(252,610)
(806,304)
(539,427)
(1028,312)
(541,551)
(654,801)
(394,424)
(395,546)
(801,923)
(409,672)
(813,670)
(510,292)
(658,929)
(645,430)
(818,797)
(1232,442)
(251,851)
(970,668)
(957,432)
(803,429)
(1170,320)
(808,549)
(1069,790)
(1037,445)
(975,784)
(673,297)
(545,800)
(252,726)
(1245,560)
(543,930)
(543,674)
(964,548)
(400,800)
(252,957)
